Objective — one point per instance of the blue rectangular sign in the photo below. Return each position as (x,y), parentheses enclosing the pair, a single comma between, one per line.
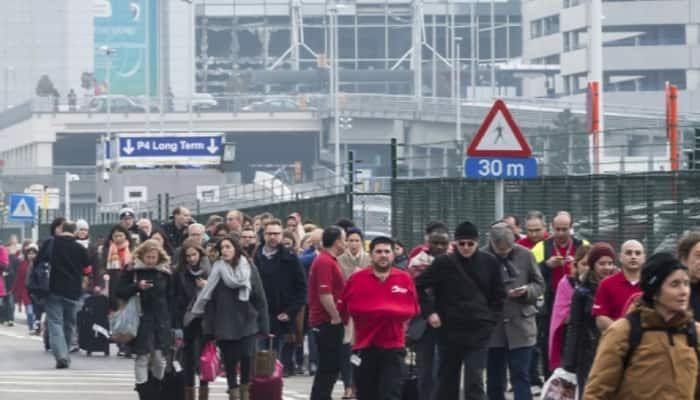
(170,146)
(22,207)
(500,168)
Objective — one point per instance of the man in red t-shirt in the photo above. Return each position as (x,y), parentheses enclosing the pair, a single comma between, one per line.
(614,291)
(326,284)
(380,300)
(535,228)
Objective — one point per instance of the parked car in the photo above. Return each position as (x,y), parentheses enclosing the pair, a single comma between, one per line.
(277,105)
(118,104)
(203,101)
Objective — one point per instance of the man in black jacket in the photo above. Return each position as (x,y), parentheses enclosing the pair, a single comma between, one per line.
(284,282)
(177,228)
(68,259)
(469,295)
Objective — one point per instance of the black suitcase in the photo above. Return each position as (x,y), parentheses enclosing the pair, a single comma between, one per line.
(92,317)
(173,387)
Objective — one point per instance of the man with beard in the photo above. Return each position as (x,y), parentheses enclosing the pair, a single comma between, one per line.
(614,291)
(380,300)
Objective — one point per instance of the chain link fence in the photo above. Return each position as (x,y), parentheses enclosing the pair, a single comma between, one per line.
(654,208)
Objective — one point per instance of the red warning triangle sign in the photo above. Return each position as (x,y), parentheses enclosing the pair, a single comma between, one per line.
(499,136)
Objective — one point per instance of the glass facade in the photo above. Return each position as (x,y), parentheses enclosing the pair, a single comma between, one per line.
(242,49)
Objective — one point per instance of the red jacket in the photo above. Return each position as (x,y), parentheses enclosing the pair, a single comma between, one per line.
(19,289)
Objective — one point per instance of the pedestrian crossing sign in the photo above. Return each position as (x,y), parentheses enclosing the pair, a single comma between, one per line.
(22,207)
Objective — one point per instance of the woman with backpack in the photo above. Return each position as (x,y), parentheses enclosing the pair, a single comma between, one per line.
(189,279)
(652,353)
(149,278)
(234,307)
(582,334)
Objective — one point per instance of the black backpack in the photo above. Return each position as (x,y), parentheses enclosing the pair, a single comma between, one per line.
(38,281)
(636,332)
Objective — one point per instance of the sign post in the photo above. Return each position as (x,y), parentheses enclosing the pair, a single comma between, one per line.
(499,151)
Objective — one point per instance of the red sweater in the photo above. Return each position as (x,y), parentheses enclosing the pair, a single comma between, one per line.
(380,310)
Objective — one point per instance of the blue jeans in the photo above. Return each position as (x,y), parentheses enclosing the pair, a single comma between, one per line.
(29,310)
(427,364)
(518,362)
(313,351)
(60,321)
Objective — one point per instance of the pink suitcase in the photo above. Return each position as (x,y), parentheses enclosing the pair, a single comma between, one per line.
(268,387)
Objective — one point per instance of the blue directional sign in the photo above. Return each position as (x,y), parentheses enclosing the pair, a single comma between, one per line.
(500,168)
(170,150)
(22,207)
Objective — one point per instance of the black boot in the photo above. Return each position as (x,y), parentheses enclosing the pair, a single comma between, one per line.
(144,390)
(156,386)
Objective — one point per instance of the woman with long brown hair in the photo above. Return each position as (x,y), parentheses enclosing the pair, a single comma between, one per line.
(190,277)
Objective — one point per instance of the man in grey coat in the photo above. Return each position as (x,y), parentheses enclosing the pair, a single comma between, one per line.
(515,335)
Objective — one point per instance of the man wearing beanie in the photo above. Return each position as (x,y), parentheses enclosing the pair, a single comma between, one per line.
(468,303)
(615,291)
(126,220)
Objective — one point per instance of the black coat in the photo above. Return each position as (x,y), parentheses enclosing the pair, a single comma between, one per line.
(186,291)
(284,281)
(582,334)
(68,259)
(468,309)
(155,327)
(695,300)
(175,235)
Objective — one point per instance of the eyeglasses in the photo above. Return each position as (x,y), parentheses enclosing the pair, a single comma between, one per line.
(467,243)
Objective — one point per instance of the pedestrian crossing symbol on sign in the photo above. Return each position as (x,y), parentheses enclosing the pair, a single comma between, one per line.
(22,207)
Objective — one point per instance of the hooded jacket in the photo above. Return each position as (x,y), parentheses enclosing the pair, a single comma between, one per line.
(661,368)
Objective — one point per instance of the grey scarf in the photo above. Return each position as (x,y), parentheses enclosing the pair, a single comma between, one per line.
(234,278)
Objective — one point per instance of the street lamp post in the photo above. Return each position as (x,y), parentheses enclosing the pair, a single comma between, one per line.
(69,178)
(458,97)
(6,101)
(333,87)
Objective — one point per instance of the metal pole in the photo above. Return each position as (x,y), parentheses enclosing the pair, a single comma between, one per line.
(66,193)
(190,63)
(394,159)
(493,49)
(458,113)
(499,184)
(109,95)
(472,50)
(334,88)
(453,43)
(147,64)
(595,14)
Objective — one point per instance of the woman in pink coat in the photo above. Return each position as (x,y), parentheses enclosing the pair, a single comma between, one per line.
(562,306)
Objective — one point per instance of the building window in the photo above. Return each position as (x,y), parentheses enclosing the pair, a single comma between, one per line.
(644,35)
(544,26)
(549,60)
(575,40)
(575,84)
(644,80)
(572,3)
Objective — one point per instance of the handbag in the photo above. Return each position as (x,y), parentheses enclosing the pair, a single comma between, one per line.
(124,323)
(265,361)
(209,363)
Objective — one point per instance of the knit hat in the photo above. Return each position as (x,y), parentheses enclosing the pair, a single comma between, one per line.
(82,224)
(31,246)
(466,230)
(655,271)
(599,250)
(126,212)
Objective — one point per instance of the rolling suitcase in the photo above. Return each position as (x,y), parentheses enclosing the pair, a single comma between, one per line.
(173,385)
(264,387)
(93,325)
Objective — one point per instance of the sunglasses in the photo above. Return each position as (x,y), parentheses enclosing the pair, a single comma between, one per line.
(467,243)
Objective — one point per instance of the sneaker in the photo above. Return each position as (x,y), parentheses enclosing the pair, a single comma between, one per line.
(62,364)
(75,349)
(10,323)
(535,390)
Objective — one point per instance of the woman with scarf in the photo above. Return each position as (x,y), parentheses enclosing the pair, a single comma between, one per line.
(116,255)
(189,279)
(234,307)
(19,289)
(149,278)
(582,334)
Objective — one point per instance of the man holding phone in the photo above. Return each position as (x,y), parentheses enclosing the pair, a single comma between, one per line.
(515,335)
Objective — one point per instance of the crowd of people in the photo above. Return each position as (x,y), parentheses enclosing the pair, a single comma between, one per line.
(480,313)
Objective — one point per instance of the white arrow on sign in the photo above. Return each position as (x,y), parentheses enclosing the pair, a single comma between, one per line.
(212,146)
(128,149)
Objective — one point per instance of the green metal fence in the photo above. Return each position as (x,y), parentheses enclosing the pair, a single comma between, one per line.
(654,208)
